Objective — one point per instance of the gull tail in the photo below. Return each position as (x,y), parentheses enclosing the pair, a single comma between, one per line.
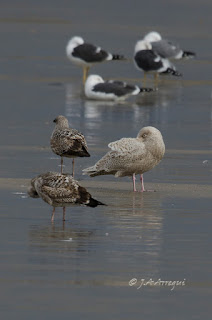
(188,54)
(91,171)
(84,153)
(147,89)
(94,203)
(118,57)
(172,72)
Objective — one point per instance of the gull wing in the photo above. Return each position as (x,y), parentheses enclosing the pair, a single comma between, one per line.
(165,48)
(89,53)
(127,145)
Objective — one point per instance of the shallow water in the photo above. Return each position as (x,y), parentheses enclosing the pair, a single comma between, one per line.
(80,269)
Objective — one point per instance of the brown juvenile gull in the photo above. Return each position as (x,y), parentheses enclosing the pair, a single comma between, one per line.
(60,190)
(131,156)
(67,142)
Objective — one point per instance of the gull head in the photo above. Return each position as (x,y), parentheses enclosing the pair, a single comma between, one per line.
(143,45)
(73,43)
(76,41)
(153,140)
(93,79)
(152,36)
(147,133)
(61,121)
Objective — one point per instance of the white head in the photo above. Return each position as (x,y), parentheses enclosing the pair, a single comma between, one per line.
(143,45)
(152,36)
(92,80)
(73,43)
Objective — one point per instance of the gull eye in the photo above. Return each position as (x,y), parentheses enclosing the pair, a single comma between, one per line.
(144,135)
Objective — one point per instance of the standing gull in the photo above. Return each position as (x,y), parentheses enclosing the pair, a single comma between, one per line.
(166,48)
(67,142)
(60,190)
(148,60)
(131,156)
(85,54)
(98,89)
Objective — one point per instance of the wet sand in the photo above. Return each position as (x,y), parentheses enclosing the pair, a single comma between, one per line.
(109,188)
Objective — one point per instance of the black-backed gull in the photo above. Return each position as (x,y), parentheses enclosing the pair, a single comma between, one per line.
(98,89)
(166,48)
(85,54)
(148,60)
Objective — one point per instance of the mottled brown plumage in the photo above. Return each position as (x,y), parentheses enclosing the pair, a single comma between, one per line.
(67,142)
(60,190)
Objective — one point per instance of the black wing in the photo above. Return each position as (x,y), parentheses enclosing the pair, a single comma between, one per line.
(114,88)
(89,53)
(148,60)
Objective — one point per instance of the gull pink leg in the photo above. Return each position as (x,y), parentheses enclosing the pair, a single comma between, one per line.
(133,177)
(142,183)
(52,218)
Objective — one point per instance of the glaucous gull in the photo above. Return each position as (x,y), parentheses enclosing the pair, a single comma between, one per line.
(131,156)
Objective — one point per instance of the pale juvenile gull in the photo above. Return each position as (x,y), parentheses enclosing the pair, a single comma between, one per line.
(98,89)
(67,142)
(60,190)
(148,60)
(166,48)
(86,55)
(131,156)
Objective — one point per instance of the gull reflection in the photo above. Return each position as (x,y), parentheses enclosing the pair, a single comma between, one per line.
(138,225)
(146,108)
(56,236)
(104,121)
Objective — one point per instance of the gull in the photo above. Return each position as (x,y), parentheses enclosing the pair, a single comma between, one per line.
(148,60)
(60,190)
(166,48)
(86,55)
(98,89)
(131,156)
(67,142)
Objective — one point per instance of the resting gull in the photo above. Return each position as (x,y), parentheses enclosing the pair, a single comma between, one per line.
(166,48)
(67,142)
(60,190)
(85,54)
(98,89)
(148,60)
(131,156)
